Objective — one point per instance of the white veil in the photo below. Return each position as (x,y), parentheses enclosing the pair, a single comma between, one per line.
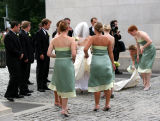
(82,30)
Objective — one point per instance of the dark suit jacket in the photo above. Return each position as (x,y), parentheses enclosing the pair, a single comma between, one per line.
(13,47)
(41,44)
(117,37)
(27,46)
(91,33)
(70,33)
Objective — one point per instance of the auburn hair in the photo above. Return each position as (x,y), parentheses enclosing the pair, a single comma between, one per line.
(132,28)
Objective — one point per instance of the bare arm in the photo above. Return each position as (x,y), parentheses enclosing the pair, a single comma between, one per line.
(133,59)
(110,52)
(138,50)
(50,49)
(87,47)
(146,38)
(73,49)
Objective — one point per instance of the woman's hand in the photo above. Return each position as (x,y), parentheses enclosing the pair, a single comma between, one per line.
(86,56)
(73,60)
(142,49)
(138,59)
(42,57)
(114,67)
(133,67)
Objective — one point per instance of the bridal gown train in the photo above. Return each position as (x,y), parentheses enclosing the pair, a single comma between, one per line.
(82,68)
(128,83)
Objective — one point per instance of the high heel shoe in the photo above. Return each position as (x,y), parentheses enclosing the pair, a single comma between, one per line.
(106,108)
(96,108)
(57,105)
(65,113)
(147,88)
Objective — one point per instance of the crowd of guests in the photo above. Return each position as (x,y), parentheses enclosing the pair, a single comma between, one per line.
(101,40)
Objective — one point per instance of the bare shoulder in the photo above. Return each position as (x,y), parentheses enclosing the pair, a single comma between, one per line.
(111,37)
(71,39)
(142,33)
(88,38)
(53,40)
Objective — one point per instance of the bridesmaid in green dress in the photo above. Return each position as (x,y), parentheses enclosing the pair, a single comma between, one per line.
(148,51)
(102,65)
(63,76)
(133,53)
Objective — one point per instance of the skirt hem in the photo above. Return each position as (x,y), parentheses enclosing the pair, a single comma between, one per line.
(101,88)
(66,94)
(52,87)
(144,70)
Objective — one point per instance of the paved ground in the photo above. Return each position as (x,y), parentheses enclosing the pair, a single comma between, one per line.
(132,104)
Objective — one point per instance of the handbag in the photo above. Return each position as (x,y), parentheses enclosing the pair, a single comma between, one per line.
(121,46)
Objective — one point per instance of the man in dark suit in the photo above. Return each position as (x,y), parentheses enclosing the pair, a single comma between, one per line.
(31,55)
(27,48)
(116,34)
(41,47)
(14,55)
(91,29)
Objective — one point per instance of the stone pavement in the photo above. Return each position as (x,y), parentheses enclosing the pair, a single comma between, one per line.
(132,104)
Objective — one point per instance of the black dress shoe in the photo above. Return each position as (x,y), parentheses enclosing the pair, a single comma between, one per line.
(19,96)
(118,72)
(26,94)
(30,83)
(10,99)
(46,88)
(30,91)
(48,80)
(41,90)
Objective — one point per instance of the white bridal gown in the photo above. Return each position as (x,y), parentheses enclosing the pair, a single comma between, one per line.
(132,82)
(82,68)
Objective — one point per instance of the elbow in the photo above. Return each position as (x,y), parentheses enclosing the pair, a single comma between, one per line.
(48,54)
(150,42)
(85,50)
(73,55)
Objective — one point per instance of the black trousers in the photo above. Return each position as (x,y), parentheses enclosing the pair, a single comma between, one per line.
(28,71)
(24,86)
(15,75)
(42,71)
(116,55)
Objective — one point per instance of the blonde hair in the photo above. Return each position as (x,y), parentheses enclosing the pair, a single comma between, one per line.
(107,28)
(25,24)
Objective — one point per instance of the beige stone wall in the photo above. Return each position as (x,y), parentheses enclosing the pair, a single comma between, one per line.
(143,13)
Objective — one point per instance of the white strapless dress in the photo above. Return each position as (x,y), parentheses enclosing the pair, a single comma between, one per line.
(82,68)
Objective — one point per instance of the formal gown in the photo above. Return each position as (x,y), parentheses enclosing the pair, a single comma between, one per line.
(63,79)
(133,80)
(82,68)
(101,70)
(147,59)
